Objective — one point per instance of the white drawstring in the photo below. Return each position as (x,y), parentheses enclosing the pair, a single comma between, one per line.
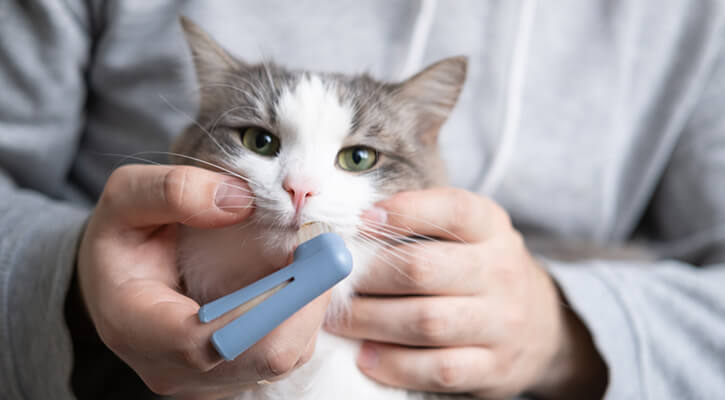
(514,95)
(419,38)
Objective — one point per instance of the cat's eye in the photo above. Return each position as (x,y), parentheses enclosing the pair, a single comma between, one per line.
(260,141)
(357,158)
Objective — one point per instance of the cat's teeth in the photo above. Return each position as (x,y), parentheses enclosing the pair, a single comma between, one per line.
(310,230)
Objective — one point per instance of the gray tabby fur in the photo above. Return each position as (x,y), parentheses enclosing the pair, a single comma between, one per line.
(400,120)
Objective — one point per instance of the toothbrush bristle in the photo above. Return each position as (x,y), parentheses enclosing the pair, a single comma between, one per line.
(310,230)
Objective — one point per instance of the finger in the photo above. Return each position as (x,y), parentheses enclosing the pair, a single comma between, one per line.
(425,268)
(144,195)
(457,369)
(165,322)
(419,321)
(173,331)
(285,348)
(211,394)
(448,213)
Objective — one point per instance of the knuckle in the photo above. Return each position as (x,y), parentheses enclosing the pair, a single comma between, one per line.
(517,240)
(116,186)
(418,272)
(504,365)
(191,353)
(277,362)
(161,386)
(306,356)
(498,215)
(461,210)
(112,340)
(448,374)
(172,188)
(110,333)
(515,319)
(431,325)
(506,275)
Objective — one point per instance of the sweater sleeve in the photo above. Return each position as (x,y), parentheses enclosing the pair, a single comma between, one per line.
(44,48)
(660,327)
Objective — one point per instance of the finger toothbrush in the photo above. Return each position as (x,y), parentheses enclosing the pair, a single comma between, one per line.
(320,261)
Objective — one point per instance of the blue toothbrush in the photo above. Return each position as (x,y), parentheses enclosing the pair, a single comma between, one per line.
(320,262)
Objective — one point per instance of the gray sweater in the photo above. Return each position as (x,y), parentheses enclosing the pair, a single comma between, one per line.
(594,120)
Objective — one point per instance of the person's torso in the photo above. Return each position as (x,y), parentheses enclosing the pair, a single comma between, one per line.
(567,101)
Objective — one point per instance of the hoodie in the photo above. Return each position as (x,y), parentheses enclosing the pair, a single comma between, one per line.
(599,121)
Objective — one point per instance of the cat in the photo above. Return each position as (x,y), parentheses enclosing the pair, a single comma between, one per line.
(312,147)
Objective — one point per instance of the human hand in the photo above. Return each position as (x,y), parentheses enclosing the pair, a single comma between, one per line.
(473,312)
(129,281)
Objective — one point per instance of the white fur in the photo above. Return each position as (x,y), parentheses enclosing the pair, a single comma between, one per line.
(313,124)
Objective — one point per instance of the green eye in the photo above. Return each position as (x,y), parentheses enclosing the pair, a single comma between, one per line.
(356,159)
(260,141)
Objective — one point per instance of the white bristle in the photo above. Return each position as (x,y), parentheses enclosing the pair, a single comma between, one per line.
(311,229)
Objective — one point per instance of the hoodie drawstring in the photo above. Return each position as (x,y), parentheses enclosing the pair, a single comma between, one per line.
(419,38)
(514,97)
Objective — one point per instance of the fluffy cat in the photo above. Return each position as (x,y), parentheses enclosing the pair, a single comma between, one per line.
(312,147)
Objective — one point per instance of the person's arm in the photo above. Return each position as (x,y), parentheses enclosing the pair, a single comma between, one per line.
(43,54)
(661,327)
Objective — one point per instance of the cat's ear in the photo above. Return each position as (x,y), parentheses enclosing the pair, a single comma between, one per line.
(433,93)
(210,59)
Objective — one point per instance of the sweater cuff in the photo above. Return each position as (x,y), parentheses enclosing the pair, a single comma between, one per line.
(592,292)
(37,256)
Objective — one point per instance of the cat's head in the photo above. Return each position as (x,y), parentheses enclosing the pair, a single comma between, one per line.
(317,146)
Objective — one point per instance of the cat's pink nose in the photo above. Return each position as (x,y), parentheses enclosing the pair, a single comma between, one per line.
(300,190)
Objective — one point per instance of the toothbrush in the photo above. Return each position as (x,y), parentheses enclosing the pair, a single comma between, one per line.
(320,261)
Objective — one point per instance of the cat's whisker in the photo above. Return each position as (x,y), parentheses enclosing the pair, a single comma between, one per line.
(145,160)
(403,240)
(374,250)
(372,231)
(224,85)
(125,157)
(398,249)
(197,160)
(397,240)
(265,66)
(195,122)
(408,232)
(225,113)
(244,225)
(390,249)
(440,228)
(238,196)
(249,96)
(379,228)
(240,188)
(186,220)
(402,243)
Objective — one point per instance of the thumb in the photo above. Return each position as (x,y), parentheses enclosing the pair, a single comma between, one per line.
(140,196)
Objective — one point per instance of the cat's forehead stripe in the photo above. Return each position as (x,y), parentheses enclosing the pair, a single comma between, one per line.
(313,108)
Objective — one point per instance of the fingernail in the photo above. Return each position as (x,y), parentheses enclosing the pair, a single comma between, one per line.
(232,195)
(375,214)
(368,357)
